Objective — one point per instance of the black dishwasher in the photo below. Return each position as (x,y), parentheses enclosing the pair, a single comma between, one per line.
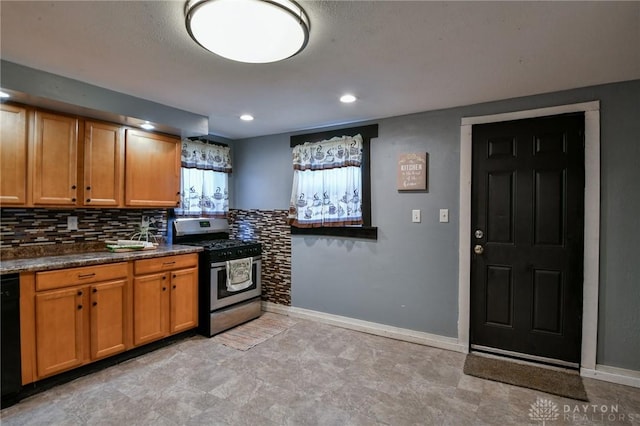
(10,338)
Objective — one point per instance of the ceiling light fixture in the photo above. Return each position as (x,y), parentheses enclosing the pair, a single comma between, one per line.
(347,99)
(246,117)
(147,126)
(253,31)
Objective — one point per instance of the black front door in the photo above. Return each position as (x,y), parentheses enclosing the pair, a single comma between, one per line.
(527,236)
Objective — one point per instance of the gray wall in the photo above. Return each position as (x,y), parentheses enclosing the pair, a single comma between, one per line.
(46,90)
(409,277)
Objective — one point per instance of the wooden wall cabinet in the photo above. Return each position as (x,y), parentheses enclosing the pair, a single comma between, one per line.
(165,297)
(81,315)
(13,154)
(103,165)
(54,160)
(152,169)
(54,167)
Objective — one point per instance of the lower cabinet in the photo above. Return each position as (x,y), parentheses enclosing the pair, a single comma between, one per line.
(60,326)
(165,297)
(75,320)
(72,317)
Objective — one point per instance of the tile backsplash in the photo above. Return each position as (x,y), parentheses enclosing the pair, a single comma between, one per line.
(44,232)
(271,229)
(34,227)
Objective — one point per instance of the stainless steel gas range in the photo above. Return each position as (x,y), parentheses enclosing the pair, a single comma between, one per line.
(229,274)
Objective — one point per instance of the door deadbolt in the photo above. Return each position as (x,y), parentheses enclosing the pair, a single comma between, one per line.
(479,234)
(478,249)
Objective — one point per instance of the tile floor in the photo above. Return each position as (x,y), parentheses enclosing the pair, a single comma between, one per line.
(311,374)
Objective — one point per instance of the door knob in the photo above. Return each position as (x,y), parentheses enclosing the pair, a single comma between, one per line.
(478,249)
(479,234)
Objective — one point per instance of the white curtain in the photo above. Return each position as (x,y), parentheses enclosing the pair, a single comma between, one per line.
(205,180)
(327,183)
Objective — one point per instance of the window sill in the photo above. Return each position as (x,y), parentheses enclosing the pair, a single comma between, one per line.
(362,232)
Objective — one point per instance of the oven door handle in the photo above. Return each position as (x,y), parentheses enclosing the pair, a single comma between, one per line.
(222,265)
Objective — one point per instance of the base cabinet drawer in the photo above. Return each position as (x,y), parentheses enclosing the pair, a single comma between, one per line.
(78,276)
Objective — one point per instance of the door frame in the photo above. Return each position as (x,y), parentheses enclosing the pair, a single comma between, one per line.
(591,220)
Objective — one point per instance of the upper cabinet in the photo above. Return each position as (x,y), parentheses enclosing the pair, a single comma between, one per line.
(13,155)
(56,160)
(152,169)
(103,183)
(54,169)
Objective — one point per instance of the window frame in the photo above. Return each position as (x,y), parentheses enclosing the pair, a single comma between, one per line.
(366,231)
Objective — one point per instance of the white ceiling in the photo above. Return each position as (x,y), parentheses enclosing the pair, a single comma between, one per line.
(398,57)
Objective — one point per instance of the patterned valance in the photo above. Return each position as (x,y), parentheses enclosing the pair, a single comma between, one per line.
(204,156)
(333,153)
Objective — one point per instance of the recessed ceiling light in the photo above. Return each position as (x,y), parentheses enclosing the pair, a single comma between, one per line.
(4,95)
(347,99)
(147,126)
(246,117)
(252,31)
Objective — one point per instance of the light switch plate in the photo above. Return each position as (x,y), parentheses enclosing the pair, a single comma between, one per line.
(444,215)
(415,216)
(72,223)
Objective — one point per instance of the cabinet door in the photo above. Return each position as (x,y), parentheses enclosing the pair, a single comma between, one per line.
(184,299)
(103,183)
(59,330)
(13,155)
(150,308)
(108,302)
(152,169)
(55,149)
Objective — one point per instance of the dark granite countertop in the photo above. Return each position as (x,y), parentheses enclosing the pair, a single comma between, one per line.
(70,260)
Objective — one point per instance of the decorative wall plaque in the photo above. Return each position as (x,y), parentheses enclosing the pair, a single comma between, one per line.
(412,172)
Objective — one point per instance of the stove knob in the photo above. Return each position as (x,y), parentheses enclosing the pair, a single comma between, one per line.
(240,252)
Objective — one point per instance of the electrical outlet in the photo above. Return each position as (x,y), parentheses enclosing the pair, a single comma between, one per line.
(415,216)
(444,215)
(72,223)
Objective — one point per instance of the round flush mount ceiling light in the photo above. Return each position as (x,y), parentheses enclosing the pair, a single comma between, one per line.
(246,117)
(347,98)
(253,31)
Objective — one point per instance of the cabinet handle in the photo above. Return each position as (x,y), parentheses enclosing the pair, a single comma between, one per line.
(95,303)
(79,307)
(95,290)
(178,203)
(73,200)
(175,276)
(168,263)
(83,276)
(73,187)
(164,277)
(178,193)
(174,286)
(88,188)
(88,200)
(164,289)
(79,293)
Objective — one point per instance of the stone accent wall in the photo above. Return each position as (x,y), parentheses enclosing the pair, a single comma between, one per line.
(41,227)
(270,228)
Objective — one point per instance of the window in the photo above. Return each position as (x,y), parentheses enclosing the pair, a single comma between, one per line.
(204,179)
(331,194)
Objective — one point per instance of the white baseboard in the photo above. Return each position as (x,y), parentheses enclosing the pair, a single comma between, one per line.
(602,372)
(617,375)
(421,338)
